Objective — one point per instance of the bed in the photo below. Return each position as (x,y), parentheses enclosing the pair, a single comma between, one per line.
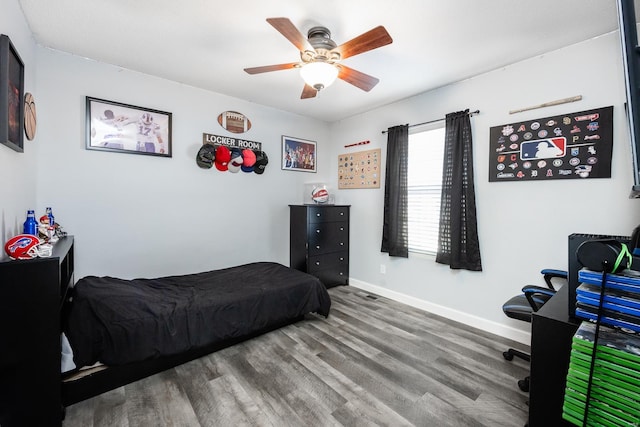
(142,326)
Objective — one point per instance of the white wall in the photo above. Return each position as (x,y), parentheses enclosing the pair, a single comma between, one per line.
(136,216)
(143,216)
(17,170)
(523,226)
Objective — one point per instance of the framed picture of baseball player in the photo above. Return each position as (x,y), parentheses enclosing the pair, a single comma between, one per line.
(11,96)
(122,128)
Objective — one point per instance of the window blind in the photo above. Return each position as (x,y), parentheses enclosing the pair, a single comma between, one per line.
(426,149)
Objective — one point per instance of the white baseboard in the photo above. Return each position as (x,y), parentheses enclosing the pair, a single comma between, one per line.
(520,336)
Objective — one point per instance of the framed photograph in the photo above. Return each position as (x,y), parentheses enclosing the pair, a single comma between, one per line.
(123,128)
(11,96)
(298,154)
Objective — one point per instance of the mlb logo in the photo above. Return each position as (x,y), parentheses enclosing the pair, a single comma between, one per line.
(548,148)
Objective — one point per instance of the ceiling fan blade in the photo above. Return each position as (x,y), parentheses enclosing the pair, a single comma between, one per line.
(357,78)
(308,92)
(287,29)
(267,68)
(370,40)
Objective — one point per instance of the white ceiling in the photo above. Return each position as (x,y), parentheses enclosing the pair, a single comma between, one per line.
(208,43)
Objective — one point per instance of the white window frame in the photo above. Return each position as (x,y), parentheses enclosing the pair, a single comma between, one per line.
(426,151)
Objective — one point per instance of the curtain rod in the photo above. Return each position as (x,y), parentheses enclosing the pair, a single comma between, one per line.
(473,113)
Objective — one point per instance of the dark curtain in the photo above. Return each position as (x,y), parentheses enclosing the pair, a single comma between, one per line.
(458,244)
(395,236)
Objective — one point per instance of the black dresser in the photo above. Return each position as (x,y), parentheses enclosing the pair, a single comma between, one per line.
(319,242)
(32,295)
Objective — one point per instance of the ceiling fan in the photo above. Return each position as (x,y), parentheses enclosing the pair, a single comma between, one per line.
(321,57)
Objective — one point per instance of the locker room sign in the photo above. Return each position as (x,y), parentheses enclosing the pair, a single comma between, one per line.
(569,146)
(231,142)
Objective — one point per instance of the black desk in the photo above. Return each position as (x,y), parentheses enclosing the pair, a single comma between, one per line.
(551,334)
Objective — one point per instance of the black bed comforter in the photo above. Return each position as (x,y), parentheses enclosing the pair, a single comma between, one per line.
(117,321)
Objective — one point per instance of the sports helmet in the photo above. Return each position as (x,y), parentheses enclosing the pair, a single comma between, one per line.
(27,246)
(147,118)
(46,231)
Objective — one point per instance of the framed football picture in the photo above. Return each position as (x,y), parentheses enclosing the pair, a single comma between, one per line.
(122,128)
(298,154)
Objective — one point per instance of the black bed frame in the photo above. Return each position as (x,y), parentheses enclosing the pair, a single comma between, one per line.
(116,376)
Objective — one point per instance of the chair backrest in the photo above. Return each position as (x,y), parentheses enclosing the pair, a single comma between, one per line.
(549,274)
(537,296)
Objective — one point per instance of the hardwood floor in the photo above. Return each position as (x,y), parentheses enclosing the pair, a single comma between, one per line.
(374,361)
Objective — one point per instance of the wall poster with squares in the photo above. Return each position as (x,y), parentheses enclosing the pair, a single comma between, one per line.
(359,169)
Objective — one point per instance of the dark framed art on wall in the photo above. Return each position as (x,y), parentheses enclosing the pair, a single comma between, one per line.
(11,96)
(123,128)
(298,154)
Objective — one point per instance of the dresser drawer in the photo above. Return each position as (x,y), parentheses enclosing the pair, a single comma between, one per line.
(334,260)
(328,214)
(333,277)
(328,237)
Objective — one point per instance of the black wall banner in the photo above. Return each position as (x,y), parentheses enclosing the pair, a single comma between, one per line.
(569,146)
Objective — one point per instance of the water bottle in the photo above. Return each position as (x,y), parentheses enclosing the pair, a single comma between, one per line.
(51,219)
(31,225)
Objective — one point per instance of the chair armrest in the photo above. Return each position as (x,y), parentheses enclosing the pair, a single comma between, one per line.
(550,273)
(537,295)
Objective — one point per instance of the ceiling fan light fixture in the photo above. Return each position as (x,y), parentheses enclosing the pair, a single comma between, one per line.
(319,75)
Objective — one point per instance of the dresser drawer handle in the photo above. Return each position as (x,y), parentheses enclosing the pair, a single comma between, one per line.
(318,231)
(317,262)
(341,228)
(317,246)
(318,214)
(341,213)
(341,258)
(341,273)
(341,244)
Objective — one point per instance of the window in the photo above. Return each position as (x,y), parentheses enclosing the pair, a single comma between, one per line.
(426,149)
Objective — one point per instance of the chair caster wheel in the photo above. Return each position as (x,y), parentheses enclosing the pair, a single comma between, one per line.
(507,355)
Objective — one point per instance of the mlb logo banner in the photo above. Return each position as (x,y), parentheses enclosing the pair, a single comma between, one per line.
(569,146)
(543,148)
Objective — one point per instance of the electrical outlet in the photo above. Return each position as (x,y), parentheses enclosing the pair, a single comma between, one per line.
(383,269)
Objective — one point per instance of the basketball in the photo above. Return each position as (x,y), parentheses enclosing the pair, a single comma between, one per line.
(320,195)
(29,116)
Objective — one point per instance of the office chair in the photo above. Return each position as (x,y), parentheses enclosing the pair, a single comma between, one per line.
(521,307)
